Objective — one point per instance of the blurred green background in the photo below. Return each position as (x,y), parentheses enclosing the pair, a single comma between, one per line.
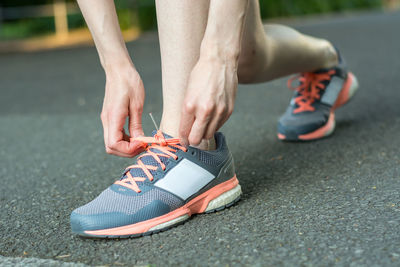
(28,18)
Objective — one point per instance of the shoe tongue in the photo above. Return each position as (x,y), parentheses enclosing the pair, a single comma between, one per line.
(149,160)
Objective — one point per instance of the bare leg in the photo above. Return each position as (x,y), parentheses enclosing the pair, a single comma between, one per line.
(275,50)
(266,54)
(181,27)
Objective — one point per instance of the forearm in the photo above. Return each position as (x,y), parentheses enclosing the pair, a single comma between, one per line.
(224,30)
(101,18)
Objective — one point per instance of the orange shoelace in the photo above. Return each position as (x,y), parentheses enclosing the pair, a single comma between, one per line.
(158,142)
(309,88)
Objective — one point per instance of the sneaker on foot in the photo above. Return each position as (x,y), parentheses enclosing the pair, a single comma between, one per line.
(310,114)
(167,185)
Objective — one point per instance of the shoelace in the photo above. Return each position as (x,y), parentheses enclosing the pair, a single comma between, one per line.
(158,142)
(309,88)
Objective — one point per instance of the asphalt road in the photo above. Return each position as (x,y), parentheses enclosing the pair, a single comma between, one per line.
(331,202)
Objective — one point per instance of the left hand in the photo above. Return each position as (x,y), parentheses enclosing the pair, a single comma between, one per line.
(209,99)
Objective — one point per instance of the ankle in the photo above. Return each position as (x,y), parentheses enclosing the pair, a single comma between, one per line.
(170,126)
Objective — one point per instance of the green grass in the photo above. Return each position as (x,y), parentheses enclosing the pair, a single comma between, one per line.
(287,8)
(143,14)
(26,28)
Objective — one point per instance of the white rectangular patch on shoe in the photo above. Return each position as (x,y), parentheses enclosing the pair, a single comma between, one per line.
(332,91)
(185,179)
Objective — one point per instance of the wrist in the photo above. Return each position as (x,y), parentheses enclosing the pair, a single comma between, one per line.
(116,59)
(214,50)
(126,73)
(118,66)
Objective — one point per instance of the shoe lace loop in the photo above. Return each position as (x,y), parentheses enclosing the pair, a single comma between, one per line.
(311,84)
(157,143)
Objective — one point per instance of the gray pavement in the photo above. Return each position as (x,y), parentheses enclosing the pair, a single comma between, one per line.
(331,202)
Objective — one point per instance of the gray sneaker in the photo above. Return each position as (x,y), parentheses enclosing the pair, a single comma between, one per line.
(310,114)
(167,185)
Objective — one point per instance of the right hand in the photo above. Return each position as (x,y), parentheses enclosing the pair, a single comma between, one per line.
(124,97)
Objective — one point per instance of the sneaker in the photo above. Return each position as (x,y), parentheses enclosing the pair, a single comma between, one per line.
(310,114)
(167,185)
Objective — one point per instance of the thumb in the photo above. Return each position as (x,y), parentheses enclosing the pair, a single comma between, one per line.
(136,130)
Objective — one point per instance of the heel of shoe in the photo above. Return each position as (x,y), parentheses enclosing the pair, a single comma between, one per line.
(354,86)
(224,200)
(349,89)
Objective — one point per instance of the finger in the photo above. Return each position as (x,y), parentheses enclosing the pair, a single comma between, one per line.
(186,123)
(112,151)
(117,153)
(121,147)
(116,142)
(213,125)
(198,130)
(138,148)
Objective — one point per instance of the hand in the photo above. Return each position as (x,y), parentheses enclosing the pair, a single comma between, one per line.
(124,96)
(209,99)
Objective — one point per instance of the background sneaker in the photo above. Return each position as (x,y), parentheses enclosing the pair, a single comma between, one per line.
(168,184)
(310,114)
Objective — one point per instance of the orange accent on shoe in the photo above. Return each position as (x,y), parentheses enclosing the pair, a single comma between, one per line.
(196,205)
(157,142)
(310,85)
(344,96)
(281,136)
(321,132)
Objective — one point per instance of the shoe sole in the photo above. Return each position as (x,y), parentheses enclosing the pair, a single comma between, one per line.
(215,199)
(349,89)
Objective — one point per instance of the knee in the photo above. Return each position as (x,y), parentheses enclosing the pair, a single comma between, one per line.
(247,66)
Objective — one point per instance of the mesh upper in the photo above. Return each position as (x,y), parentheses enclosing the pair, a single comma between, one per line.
(317,117)
(110,201)
(212,158)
